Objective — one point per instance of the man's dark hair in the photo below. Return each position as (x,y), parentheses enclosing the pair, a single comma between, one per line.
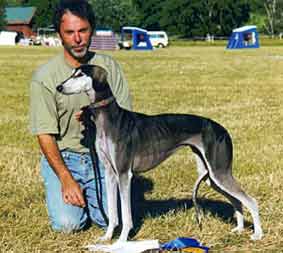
(79,8)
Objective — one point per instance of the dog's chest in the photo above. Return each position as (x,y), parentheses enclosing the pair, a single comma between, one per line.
(106,151)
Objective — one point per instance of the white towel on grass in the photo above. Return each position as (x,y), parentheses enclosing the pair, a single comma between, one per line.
(128,246)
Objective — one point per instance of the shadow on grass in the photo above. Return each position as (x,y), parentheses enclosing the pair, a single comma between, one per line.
(143,208)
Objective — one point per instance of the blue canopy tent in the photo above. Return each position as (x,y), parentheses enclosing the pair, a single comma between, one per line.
(135,38)
(244,37)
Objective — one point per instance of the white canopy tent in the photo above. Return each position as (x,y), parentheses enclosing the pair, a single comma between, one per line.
(8,38)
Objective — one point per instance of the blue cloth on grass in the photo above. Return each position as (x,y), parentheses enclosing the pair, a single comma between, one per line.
(182,243)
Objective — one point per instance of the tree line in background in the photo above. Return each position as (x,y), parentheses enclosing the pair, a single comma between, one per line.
(2,14)
(184,18)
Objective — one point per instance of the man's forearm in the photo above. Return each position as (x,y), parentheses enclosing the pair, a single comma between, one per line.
(51,151)
(71,191)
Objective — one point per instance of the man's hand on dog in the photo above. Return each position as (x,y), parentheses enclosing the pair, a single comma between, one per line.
(78,115)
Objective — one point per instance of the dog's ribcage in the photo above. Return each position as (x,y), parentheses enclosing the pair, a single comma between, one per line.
(148,140)
(161,135)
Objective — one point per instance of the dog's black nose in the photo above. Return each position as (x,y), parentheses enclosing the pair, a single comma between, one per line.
(59,88)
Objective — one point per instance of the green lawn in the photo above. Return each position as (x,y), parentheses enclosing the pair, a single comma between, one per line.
(240,89)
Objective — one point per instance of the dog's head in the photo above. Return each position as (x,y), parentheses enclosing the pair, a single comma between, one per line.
(91,79)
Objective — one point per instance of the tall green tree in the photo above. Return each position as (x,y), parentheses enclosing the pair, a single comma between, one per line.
(257,15)
(193,17)
(150,13)
(2,14)
(232,14)
(274,16)
(114,14)
(14,3)
(268,15)
(44,11)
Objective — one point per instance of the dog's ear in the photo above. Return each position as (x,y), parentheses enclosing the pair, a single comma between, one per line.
(100,82)
(87,69)
(99,74)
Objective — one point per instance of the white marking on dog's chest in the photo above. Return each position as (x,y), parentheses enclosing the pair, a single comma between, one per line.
(106,150)
(91,94)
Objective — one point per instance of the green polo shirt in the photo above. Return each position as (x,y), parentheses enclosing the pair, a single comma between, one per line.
(53,113)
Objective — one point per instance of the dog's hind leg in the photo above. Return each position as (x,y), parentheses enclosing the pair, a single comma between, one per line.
(237,207)
(125,195)
(218,154)
(202,175)
(230,188)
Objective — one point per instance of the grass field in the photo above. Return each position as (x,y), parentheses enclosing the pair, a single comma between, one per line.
(240,89)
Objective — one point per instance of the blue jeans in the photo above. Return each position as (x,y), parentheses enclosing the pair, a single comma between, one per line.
(69,218)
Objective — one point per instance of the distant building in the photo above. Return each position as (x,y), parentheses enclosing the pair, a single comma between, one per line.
(20,19)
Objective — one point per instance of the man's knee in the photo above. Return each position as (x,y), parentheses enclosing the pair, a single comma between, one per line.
(68,224)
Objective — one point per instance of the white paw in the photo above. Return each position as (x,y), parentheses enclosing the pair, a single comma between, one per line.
(104,238)
(237,230)
(121,240)
(257,236)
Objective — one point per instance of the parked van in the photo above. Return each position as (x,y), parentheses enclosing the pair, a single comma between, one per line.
(158,38)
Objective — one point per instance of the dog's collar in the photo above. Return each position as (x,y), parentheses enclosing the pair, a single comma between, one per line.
(103,102)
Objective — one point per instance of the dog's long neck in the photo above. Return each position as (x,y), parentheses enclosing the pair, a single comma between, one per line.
(106,112)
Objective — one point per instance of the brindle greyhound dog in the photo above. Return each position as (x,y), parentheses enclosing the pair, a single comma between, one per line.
(129,142)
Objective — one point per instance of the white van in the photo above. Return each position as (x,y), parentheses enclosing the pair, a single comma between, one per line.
(158,38)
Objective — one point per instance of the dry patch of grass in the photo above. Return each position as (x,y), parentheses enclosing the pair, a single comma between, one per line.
(240,89)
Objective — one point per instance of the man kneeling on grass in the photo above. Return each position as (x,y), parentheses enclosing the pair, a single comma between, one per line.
(66,164)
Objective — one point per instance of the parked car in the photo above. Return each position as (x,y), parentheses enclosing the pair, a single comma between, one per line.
(158,38)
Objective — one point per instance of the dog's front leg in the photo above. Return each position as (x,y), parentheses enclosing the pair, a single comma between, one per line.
(111,191)
(125,195)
